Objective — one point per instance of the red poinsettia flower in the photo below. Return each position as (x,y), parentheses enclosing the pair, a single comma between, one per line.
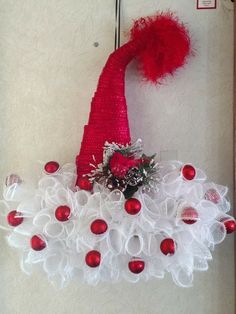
(120,164)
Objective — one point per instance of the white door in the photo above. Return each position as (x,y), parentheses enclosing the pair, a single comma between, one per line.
(51,55)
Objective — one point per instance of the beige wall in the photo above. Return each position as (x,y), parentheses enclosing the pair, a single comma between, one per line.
(48,73)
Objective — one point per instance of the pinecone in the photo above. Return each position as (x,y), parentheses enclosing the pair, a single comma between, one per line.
(134,177)
(113,183)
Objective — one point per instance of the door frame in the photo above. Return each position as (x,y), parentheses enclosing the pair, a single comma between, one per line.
(234,149)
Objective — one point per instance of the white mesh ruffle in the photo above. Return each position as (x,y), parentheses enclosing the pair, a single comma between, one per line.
(127,236)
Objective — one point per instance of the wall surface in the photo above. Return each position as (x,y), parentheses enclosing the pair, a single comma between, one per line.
(49,67)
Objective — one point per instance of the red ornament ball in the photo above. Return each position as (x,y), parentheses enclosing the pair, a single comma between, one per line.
(93,258)
(188,172)
(230,226)
(189,215)
(85,184)
(37,243)
(133,206)
(14,218)
(51,167)
(98,226)
(213,196)
(136,266)
(62,213)
(168,246)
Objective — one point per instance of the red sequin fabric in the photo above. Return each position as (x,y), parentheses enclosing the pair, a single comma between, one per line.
(108,120)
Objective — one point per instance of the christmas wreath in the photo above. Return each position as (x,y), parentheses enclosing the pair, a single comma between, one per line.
(117,213)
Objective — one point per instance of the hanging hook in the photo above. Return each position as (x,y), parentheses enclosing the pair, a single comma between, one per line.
(117,24)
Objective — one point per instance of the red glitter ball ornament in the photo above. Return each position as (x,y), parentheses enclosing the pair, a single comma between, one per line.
(230,225)
(85,184)
(98,226)
(136,266)
(51,167)
(168,246)
(37,243)
(189,215)
(213,196)
(62,213)
(14,218)
(93,258)
(188,172)
(133,206)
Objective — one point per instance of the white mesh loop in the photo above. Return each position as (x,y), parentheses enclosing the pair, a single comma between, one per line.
(115,241)
(134,244)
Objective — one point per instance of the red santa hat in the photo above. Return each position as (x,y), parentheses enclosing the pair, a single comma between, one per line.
(161,44)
